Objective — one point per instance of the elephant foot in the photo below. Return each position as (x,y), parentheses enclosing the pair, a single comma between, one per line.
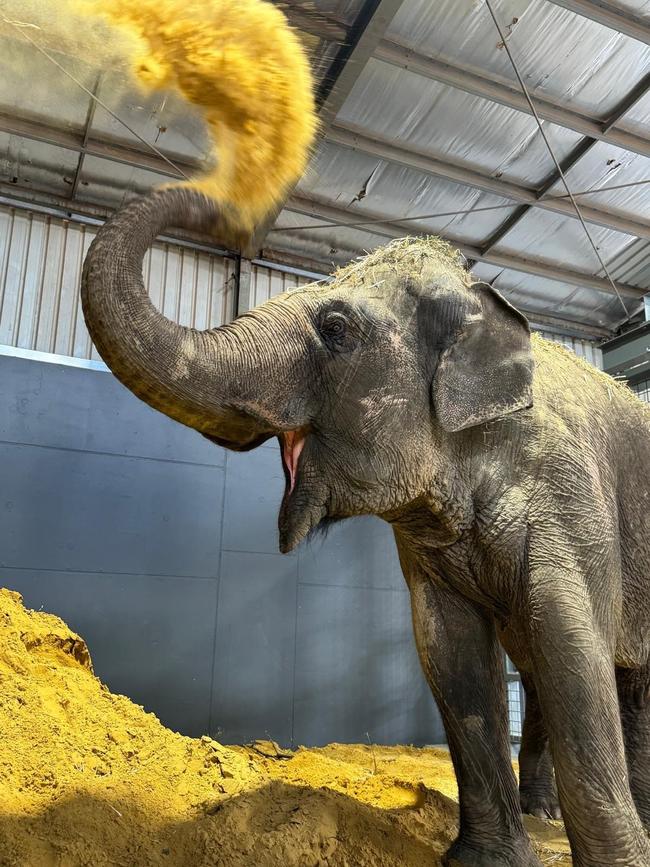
(516,854)
(539,801)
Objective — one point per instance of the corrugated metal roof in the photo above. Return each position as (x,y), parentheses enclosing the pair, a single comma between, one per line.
(632,265)
(562,56)
(607,165)
(551,237)
(442,121)
(583,70)
(36,165)
(348,179)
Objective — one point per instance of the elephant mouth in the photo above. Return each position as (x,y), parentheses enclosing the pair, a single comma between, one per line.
(293,442)
(302,507)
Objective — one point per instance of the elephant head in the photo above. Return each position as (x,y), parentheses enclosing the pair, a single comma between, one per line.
(364,380)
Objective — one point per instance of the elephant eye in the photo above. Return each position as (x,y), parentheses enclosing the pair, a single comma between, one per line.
(333,328)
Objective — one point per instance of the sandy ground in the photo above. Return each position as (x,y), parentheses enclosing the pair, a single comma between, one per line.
(88,779)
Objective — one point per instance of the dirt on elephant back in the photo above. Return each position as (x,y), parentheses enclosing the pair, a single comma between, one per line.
(88,779)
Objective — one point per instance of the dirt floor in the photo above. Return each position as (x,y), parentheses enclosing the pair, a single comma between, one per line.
(88,779)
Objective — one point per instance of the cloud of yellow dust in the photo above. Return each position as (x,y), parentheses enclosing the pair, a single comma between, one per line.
(238,61)
(242,65)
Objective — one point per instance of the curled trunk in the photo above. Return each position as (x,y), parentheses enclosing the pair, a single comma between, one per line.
(192,376)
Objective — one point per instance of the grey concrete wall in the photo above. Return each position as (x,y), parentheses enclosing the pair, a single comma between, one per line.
(161,550)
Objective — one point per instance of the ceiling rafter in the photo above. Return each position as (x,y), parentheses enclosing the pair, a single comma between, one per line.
(38,202)
(313,22)
(391,228)
(79,142)
(492,89)
(610,15)
(355,51)
(352,139)
(583,147)
(90,116)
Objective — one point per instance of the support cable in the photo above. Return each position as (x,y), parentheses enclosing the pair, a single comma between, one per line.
(20,27)
(390,219)
(561,174)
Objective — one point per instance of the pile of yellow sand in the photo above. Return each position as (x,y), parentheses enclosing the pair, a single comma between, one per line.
(89,779)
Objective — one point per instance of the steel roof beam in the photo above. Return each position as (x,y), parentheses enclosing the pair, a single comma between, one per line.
(394,229)
(310,21)
(579,152)
(90,117)
(350,60)
(52,135)
(349,138)
(610,15)
(495,91)
(363,38)
(606,13)
(90,214)
(544,322)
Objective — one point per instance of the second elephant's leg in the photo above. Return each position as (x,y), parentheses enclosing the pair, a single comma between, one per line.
(634,701)
(463,663)
(537,790)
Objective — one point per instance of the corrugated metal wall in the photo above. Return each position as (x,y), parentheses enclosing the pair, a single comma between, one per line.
(41,258)
(267,282)
(586,349)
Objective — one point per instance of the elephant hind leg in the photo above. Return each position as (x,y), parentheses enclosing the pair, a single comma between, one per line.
(634,700)
(537,789)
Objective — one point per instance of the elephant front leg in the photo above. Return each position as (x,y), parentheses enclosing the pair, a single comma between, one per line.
(462,661)
(537,789)
(574,674)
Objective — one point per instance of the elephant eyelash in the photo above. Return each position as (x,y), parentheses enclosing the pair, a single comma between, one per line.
(333,328)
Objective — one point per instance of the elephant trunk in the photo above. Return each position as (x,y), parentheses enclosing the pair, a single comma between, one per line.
(199,378)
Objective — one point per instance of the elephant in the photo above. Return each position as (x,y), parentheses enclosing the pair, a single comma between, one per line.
(515,478)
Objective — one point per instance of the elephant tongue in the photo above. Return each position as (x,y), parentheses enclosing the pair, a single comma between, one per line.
(292,445)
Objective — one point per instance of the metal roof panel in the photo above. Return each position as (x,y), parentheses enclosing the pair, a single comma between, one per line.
(449,123)
(553,237)
(562,56)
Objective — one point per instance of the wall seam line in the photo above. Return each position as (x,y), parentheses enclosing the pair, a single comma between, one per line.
(108,573)
(295,659)
(111,454)
(218,593)
(353,586)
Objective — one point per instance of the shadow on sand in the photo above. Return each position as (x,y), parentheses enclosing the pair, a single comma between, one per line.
(277,825)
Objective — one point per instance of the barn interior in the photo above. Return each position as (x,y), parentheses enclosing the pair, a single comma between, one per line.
(288,685)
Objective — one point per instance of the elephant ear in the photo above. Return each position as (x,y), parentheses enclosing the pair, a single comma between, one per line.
(488,371)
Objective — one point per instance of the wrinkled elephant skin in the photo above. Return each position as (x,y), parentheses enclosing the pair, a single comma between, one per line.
(515,478)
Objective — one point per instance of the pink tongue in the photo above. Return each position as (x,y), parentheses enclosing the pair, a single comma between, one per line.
(293,442)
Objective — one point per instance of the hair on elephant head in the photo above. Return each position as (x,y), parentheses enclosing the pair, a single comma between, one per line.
(360,378)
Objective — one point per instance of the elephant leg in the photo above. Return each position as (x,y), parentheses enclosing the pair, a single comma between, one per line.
(574,674)
(463,663)
(634,700)
(537,789)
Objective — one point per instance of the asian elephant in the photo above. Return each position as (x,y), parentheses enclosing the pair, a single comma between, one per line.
(515,477)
